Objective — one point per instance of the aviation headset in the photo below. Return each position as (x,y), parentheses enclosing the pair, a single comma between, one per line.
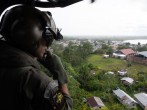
(24,26)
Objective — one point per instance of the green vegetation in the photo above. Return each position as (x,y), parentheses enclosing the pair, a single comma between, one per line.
(106,64)
(86,74)
(106,83)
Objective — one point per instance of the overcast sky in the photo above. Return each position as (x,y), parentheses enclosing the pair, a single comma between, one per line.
(104,17)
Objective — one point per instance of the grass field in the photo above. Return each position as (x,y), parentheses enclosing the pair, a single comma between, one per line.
(110,64)
(106,63)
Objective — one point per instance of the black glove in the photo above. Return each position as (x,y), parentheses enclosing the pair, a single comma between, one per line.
(53,63)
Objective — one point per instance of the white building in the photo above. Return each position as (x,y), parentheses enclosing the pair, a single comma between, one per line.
(127,81)
(122,72)
(105,56)
(110,72)
(124,98)
(141,98)
(121,56)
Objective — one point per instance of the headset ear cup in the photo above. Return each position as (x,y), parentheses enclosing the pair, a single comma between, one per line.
(17,29)
(18,33)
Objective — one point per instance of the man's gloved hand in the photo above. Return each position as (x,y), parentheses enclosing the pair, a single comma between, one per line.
(53,63)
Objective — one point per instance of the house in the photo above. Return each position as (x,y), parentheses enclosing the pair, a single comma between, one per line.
(122,72)
(124,53)
(127,81)
(121,56)
(105,56)
(141,98)
(124,98)
(110,72)
(127,52)
(142,54)
(95,102)
(139,57)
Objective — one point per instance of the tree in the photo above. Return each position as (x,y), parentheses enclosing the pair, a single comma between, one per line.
(109,51)
(104,46)
(99,51)
(85,49)
(77,54)
(71,55)
(122,47)
(142,48)
(57,49)
(139,43)
(84,76)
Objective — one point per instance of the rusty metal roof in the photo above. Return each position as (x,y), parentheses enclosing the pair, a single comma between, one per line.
(95,102)
(127,51)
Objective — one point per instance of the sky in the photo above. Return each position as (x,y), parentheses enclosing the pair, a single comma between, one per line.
(102,18)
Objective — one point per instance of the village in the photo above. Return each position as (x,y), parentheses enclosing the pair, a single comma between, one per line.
(123,97)
(129,54)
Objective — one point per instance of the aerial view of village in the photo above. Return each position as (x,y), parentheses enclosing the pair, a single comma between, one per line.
(73,54)
(105,74)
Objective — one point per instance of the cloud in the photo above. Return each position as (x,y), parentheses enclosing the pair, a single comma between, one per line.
(105,17)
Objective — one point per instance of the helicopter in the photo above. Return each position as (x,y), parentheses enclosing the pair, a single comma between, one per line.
(4,4)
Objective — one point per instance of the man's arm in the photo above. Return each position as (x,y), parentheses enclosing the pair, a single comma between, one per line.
(53,63)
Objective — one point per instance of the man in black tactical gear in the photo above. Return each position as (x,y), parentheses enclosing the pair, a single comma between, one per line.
(27,33)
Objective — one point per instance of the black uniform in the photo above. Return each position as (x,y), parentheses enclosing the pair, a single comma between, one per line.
(23,85)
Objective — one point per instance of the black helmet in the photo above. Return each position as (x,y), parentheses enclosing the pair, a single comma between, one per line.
(24,26)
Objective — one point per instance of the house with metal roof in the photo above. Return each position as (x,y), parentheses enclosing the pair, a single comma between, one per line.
(110,73)
(124,53)
(122,72)
(127,51)
(106,56)
(118,55)
(141,98)
(124,98)
(139,57)
(142,54)
(95,102)
(127,81)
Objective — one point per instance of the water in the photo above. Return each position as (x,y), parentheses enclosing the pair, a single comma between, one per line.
(136,41)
